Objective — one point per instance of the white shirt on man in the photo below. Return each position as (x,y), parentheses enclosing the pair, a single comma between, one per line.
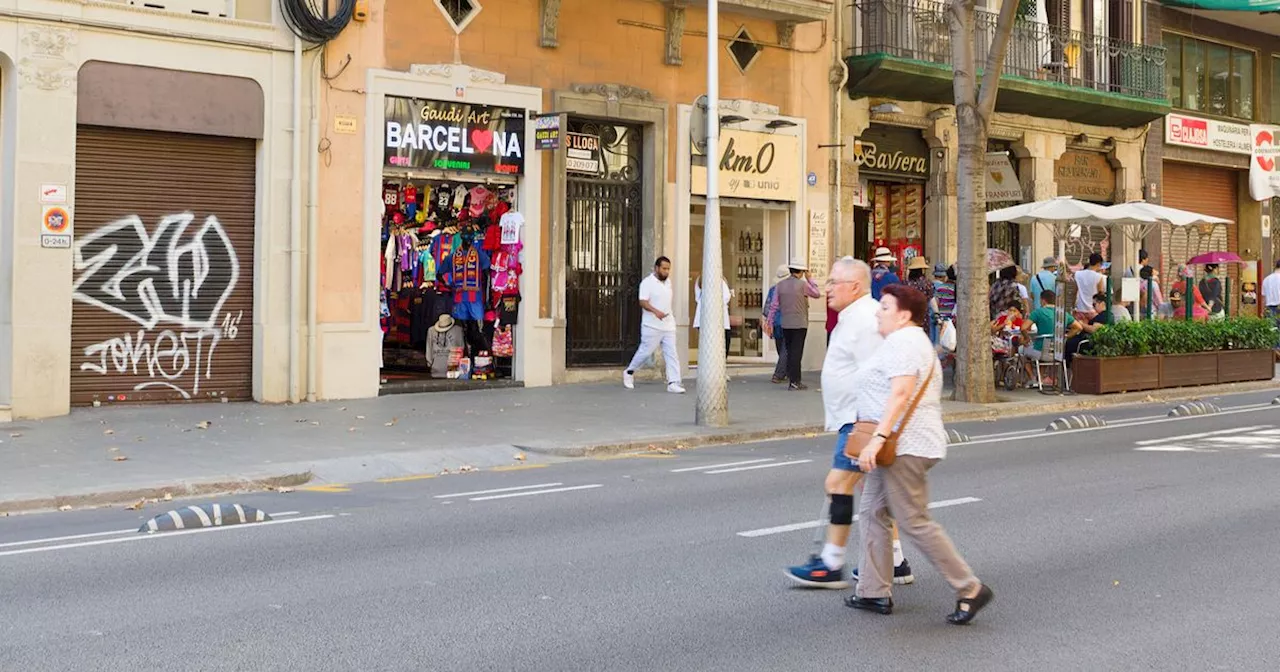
(853,341)
(1271,289)
(658,294)
(1087,281)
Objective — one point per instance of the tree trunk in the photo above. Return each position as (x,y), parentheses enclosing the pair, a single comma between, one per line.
(975,106)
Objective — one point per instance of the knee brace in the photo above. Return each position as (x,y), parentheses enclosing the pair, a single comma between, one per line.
(841,509)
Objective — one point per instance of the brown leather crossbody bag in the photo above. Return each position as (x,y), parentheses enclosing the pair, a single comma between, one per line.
(865,430)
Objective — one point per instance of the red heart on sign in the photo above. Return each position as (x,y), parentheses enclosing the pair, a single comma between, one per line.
(482,139)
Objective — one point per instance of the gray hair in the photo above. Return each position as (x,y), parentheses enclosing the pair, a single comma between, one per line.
(854,269)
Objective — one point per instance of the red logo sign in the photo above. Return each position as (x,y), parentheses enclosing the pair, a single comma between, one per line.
(1262,141)
(1185,131)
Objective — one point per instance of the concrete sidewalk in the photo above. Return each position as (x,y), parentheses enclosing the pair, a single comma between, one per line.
(103,456)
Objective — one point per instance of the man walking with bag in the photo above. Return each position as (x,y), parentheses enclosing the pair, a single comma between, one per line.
(853,341)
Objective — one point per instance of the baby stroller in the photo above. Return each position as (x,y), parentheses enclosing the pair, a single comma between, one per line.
(1009,365)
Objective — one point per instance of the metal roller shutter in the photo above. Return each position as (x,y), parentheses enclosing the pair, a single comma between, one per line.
(162,306)
(1210,191)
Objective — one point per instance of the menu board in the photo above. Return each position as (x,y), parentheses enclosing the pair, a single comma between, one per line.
(898,213)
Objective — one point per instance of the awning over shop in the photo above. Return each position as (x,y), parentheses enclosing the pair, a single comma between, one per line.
(1227,5)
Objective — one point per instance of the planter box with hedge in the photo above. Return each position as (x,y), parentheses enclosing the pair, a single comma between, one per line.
(1133,356)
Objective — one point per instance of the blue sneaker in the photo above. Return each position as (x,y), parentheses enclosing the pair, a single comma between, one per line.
(901,574)
(814,574)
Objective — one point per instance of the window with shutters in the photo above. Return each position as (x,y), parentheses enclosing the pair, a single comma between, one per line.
(1209,77)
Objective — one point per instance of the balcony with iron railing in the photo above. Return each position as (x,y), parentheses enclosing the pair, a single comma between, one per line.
(902,49)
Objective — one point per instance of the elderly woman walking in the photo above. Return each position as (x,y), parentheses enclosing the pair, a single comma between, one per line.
(903,372)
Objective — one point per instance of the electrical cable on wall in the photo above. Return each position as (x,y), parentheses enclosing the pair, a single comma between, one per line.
(311,21)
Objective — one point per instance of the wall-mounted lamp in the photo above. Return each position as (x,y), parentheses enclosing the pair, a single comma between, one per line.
(732,119)
(780,123)
(887,108)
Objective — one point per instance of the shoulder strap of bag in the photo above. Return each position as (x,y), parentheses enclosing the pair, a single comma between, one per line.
(915,400)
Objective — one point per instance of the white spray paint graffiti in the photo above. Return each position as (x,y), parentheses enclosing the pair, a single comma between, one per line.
(155,279)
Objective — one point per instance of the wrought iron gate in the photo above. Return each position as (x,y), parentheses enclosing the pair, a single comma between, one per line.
(605,229)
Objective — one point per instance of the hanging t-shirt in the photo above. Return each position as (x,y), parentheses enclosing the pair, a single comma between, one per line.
(479,198)
(511,223)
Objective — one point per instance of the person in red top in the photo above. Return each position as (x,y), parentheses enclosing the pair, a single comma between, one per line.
(832,318)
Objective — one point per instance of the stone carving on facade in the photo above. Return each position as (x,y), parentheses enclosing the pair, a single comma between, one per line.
(787,34)
(47,41)
(750,107)
(549,34)
(613,94)
(456,73)
(47,63)
(674,34)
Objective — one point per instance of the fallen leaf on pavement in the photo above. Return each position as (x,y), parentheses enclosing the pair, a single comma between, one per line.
(284,491)
(392,423)
(204,424)
(359,417)
(108,432)
(15,435)
(351,429)
(445,472)
(663,451)
(64,507)
(343,408)
(520,457)
(153,500)
(136,506)
(466,468)
(1115,583)
(168,497)
(119,458)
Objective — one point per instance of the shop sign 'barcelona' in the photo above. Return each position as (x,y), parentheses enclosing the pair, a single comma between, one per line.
(441,135)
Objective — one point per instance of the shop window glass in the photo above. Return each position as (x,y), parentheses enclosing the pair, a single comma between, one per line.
(744,49)
(1193,75)
(1242,84)
(1173,69)
(1218,100)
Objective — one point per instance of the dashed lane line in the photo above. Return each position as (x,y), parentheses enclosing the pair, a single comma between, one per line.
(537,492)
(456,495)
(758,466)
(718,466)
(810,524)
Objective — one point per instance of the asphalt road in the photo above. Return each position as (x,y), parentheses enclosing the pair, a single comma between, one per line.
(1145,546)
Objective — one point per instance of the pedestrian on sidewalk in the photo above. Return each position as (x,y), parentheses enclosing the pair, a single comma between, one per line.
(1271,292)
(882,274)
(853,341)
(1045,280)
(793,303)
(899,492)
(726,294)
(773,325)
(657,327)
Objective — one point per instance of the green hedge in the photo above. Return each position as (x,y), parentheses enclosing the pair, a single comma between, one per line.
(1179,337)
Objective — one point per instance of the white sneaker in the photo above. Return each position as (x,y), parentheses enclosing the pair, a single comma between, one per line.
(675,388)
(628,380)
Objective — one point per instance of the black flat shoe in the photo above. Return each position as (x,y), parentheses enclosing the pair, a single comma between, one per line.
(967,608)
(880,605)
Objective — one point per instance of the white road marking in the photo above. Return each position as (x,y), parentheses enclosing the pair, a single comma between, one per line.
(536,492)
(1173,448)
(979,440)
(810,524)
(717,466)
(91,535)
(204,517)
(164,535)
(758,466)
(486,492)
(1201,435)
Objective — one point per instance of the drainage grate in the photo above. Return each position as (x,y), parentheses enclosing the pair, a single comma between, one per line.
(743,49)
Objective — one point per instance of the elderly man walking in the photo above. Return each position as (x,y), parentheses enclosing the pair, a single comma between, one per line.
(793,303)
(853,341)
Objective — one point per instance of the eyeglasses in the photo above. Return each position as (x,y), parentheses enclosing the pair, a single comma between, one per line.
(831,282)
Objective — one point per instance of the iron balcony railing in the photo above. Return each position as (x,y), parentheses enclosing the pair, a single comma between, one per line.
(919,30)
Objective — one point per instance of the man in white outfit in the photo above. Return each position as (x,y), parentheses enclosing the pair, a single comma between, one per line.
(657,327)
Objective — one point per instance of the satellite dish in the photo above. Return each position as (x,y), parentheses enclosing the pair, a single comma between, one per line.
(698,125)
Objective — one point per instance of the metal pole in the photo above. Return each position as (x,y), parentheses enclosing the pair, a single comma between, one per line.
(713,393)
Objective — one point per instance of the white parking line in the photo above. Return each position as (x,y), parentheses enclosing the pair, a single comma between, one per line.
(1201,435)
(717,466)
(810,524)
(537,492)
(758,466)
(164,535)
(486,492)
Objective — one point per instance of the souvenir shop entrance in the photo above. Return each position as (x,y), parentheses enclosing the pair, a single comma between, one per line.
(451,244)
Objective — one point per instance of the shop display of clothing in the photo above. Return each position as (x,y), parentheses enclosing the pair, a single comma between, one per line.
(445,252)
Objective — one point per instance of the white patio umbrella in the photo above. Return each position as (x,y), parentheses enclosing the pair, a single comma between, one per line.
(1063,210)
(1163,214)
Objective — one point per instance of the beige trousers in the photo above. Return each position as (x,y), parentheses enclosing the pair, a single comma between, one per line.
(901,493)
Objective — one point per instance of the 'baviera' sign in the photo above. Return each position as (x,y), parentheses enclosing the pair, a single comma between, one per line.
(453,136)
